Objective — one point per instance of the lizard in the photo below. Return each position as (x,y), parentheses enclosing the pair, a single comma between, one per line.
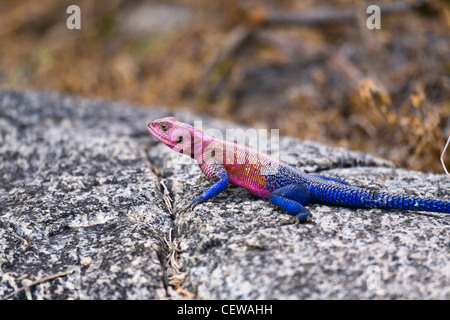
(265,176)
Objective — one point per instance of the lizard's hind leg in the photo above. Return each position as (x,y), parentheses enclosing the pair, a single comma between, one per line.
(292,198)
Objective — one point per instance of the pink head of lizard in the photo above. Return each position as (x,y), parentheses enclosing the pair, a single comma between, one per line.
(178,136)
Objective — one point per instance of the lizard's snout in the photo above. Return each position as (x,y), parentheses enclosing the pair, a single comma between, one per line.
(152,125)
(157,128)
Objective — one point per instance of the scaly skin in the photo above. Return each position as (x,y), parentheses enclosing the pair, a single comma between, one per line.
(267,177)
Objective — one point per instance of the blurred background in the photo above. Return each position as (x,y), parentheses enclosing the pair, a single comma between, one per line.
(311,69)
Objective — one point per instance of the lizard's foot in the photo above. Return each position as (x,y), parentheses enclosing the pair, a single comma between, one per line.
(180,209)
(298,220)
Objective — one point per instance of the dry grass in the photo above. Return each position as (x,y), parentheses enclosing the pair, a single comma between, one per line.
(385,92)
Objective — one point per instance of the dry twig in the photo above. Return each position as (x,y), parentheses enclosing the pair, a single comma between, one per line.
(442,156)
(50,277)
(166,197)
(174,275)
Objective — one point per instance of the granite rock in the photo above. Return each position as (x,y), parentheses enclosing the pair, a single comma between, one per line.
(81,192)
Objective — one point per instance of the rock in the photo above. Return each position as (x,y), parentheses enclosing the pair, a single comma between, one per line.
(76,187)
(343,254)
(82,204)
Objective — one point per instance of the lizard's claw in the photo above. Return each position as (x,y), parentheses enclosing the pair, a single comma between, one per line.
(180,209)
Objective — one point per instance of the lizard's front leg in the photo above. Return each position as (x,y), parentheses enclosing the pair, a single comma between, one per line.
(215,189)
(216,172)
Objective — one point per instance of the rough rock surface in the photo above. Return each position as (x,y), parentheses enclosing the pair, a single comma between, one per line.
(81,201)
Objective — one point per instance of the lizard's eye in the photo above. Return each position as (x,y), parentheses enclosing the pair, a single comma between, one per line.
(180,139)
(164,127)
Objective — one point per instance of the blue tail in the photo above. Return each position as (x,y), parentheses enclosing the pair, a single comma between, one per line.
(339,194)
(389,201)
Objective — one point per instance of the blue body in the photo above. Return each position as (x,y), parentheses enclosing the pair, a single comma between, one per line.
(291,189)
(301,188)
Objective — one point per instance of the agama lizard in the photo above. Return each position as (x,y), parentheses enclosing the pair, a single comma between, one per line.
(265,176)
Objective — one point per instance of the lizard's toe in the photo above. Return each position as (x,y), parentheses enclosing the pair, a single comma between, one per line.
(180,209)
